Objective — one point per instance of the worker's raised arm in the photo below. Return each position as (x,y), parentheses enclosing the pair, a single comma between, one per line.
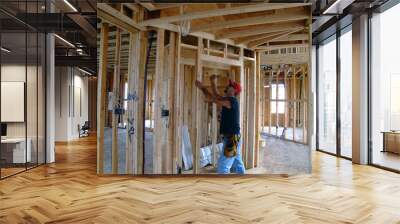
(209,97)
(214,89)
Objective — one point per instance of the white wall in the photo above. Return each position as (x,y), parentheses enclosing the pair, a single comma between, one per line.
(33,126)
(71,87)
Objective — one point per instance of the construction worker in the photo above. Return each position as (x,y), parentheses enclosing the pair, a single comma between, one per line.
(230,158)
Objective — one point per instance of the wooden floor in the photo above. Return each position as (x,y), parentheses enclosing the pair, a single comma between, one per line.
(70,192)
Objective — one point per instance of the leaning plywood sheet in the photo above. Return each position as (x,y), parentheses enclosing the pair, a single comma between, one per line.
(187,154)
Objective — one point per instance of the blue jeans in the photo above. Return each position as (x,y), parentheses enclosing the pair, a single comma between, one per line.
(228,164)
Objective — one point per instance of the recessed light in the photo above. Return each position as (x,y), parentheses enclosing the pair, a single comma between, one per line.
(5,50)
(64,40)
(86,72)
(70,5)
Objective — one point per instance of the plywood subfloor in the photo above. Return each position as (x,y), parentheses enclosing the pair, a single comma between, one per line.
(69,191)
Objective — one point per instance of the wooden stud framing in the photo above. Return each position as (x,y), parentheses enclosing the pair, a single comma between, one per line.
(269,102)
(276,101)
(135,128)
(116,98)
(170,147)
(242,102)
(258,90)
(173,73)
(214,133)
(178,111)
(294,81)
(305,104)
(252,116)
(198,114)
(101,94)
(262,77)
(286,122)
(158,92)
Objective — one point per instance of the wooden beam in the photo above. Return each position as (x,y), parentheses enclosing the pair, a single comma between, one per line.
(148,6)
(294,97)
(214,134)
(270,102)
(276,101)
(116,98)
(132,6)
(258,88)
(251,114)
(257,20)
(274,47)
(246,40)
(101,96)
(172,106)
(269,39)
(179,88)
(199,103)
(84,24)
(305,104)
(287,117)
(158,94)
(130,157)
(292,37)
(115,17)
(255,30)
(204,35)
(222,12)
(242,102)
(221,60)
(152,7)
(135,116)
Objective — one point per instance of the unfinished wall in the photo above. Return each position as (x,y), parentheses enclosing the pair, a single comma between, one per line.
(164,61)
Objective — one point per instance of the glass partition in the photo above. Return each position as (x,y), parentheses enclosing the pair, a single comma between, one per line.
(346,93)
(385,89)
(327,96)
(22,88)
(14,153)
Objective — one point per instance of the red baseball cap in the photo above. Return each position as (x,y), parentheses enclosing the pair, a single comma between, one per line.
(236,86)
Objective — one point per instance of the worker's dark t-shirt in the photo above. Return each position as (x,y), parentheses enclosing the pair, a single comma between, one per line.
(230,118)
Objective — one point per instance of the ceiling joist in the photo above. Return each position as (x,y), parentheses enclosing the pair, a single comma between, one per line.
(265,19)
(222,12)
(246,40)
(292,37)
(269,39)
(255,30)
(113,16)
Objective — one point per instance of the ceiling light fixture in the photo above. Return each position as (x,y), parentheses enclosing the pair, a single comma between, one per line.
(65,41)
(84,71)
(70,5)
(5,50)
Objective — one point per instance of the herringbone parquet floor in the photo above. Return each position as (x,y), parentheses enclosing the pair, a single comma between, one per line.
(70,192)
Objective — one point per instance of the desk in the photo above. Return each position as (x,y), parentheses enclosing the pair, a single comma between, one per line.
(13,150)
(391,141)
